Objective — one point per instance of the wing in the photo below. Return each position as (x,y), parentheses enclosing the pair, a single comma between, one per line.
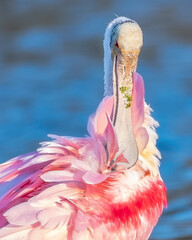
(42,192)
(50,214)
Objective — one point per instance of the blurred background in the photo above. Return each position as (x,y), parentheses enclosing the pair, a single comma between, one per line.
(51,80)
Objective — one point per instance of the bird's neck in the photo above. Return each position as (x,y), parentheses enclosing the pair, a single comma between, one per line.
(108,70)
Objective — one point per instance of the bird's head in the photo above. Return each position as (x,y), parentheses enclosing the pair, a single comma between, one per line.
(123,42)
(126,38)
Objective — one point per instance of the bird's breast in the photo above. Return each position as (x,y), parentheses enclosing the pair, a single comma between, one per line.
(136,217)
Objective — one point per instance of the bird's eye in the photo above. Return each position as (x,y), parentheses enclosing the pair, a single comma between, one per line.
(116,44)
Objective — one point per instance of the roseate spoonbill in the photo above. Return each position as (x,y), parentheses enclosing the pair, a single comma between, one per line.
(104,186)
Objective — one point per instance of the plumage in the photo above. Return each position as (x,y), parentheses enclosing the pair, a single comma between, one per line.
(81,188)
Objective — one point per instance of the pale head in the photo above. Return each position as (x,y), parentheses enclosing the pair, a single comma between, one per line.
(126,37)
(123,37)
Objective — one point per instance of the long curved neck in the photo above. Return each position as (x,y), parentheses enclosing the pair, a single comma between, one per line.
(108,66)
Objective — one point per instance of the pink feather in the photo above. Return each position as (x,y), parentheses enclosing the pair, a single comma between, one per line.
(67,190)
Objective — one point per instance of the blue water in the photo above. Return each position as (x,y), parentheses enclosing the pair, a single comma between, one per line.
(51,80)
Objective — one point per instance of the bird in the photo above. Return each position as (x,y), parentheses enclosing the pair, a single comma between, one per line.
(104,186)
